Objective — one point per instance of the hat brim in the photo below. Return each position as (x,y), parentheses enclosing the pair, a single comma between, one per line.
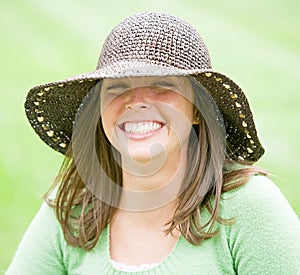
(51,108)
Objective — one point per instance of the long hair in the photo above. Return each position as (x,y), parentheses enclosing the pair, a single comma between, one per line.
(210,172)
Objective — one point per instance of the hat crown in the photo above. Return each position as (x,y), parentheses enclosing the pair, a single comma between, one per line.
(155,38)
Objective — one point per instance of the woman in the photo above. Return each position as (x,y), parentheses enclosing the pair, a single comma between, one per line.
(158,175)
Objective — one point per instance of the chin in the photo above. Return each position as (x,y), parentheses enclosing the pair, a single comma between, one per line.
(143,163)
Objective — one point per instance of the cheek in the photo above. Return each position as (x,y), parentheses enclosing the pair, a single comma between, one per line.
(185,109)
(180,116)
(108,119)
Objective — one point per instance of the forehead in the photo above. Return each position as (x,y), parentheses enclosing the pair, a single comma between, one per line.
(177,81)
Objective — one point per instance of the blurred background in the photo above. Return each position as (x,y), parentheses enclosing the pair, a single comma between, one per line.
(257,43)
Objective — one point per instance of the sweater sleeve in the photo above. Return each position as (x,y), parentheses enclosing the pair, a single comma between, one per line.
(39,252)
(266,236)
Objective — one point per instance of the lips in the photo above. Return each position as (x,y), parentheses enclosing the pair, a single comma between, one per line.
(140,128)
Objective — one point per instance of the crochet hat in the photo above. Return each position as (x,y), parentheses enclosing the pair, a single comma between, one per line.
(147,44)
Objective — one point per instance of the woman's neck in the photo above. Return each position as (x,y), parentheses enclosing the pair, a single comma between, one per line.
(140,237)
(154,219)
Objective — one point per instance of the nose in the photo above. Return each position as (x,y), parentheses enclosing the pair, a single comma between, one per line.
(137,98)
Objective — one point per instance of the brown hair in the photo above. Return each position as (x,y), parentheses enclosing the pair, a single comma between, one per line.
(210,172)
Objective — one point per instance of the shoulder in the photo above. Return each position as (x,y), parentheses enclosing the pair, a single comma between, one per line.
(260,196)
(257,185)
(44,227)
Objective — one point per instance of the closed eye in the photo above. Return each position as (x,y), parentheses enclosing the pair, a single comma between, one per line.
(164,84)
(163,87)
(116,88)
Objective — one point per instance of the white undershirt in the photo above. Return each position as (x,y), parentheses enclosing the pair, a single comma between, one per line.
(132,268)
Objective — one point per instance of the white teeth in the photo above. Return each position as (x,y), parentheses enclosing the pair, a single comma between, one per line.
(141,127)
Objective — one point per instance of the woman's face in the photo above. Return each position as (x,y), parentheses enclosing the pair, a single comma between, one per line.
(146,118)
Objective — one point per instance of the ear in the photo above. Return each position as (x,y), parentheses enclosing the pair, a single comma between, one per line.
(197,117)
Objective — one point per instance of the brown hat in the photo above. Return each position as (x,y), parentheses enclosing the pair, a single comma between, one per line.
(147,44)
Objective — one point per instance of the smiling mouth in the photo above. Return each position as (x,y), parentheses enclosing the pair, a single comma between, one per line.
(139,128)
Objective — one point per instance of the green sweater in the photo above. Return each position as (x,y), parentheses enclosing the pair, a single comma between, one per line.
(264,240)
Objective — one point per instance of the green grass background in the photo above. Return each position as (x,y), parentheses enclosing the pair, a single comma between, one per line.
(256,42)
